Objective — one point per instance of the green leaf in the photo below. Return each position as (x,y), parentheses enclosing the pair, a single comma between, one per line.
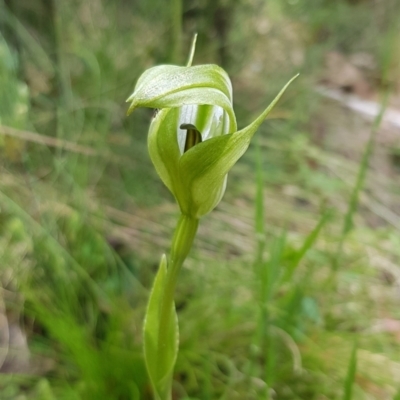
(160,375)
(205,166)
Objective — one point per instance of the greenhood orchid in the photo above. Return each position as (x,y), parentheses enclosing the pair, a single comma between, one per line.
(193,138)
(193,143)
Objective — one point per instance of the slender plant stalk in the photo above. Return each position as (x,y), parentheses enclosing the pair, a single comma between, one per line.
(259,226)
(182,241)
(176,37)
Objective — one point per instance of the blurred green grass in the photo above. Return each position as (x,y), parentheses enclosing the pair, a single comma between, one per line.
(84,217)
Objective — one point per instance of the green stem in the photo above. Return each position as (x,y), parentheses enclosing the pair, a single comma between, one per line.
(182,241)
(176,22)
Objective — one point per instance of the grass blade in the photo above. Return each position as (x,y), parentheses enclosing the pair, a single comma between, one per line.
(351,374)
(308,243)
(259,215)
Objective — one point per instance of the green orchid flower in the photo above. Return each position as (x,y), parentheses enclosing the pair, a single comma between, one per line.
(193,138)
(193,143)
